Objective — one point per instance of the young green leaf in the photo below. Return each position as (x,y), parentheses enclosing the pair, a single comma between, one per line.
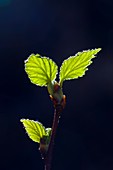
(34,129)
(40,70)
(75,66)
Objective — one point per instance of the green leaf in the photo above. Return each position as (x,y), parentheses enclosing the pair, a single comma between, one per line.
(34,129)
(75,66)
(40,70)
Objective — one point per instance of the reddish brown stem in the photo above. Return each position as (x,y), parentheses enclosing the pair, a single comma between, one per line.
(48,157)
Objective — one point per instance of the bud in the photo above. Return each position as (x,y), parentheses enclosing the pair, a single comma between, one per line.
(55,91)
(50,88)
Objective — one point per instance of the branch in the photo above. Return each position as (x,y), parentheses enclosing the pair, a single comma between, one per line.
(48,157)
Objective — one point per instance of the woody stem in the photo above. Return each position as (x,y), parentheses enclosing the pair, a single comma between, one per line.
(48,158)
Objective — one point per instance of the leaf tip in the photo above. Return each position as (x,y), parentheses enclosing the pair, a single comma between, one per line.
(98,49)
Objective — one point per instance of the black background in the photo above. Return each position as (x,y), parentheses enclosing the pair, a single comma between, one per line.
(57,29)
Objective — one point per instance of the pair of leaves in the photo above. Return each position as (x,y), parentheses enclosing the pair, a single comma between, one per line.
(35,129)
(42,70)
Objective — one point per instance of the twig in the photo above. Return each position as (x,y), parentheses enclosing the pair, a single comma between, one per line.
(48,158)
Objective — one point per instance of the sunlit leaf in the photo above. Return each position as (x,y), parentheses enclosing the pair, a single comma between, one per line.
(34,129)
(75,66)
(40,70)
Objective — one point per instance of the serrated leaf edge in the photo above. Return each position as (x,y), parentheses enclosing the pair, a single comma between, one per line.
(42,57)
(45,130)
(77,54)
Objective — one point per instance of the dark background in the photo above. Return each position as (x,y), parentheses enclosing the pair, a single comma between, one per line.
(57,29)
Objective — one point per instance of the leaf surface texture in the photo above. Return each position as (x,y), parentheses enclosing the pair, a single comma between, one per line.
(76,66)
(40,70)
(34,129)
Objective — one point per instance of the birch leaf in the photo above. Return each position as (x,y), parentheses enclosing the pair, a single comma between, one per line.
(34,129)
(40,70)
(76,66)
